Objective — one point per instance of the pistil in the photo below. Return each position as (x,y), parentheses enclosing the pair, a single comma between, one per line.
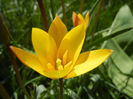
(59,65)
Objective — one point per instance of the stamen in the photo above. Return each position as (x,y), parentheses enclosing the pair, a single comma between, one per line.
(68,64)
(58,64)
(50,66)
(65,58)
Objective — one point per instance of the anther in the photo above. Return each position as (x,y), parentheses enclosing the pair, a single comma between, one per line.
(58,64)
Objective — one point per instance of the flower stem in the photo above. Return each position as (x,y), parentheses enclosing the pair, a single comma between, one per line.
(61,88)
(63,10)
(81,6)
(3,92)
(45,22)
(15,67)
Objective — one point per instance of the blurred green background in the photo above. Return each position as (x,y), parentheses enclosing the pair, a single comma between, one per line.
(110,27)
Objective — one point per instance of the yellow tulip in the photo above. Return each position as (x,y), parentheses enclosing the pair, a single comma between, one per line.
(78,19)
(58,52)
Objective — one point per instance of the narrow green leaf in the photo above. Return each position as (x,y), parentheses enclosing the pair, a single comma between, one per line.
(4,32)
(3,92)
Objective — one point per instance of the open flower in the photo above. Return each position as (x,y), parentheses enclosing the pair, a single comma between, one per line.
(58,52)
(78,19)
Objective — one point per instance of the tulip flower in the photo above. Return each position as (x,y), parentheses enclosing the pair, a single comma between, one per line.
(78,19)
(57,53)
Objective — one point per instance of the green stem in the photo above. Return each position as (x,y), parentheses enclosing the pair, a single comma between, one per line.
(53,7)
(5,36)
(63,10)
(15,67)
(97,17)
(6,40)
(3,92)
(45,22)
(61,88)
(81,6)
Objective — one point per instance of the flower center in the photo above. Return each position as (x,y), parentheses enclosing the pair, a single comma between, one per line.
(59,66)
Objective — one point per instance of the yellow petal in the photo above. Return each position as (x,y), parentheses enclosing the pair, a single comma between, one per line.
(87,61)
(57,30)
(74,16)
(87,20)
(76,20)
(28,59)
(72,42)
(81,18)
(44,45)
